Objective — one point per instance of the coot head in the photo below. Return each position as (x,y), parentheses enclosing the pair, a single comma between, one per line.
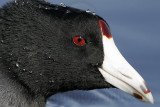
(48,48)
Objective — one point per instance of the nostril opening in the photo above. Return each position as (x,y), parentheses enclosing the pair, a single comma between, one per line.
(126,76)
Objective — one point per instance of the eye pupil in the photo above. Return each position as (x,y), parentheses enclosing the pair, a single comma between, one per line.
(78,40)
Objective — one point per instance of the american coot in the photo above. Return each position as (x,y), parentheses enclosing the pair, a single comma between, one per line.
(46,49)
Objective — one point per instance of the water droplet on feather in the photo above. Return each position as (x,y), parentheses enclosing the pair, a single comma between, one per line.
(63,5)
(2,41)
(94,13)
(88,11)
(49,57)
(17,65)
(22,3)
(30,72)
(10,54)
(26,48)
(24,69)
(51,81)
(15,1)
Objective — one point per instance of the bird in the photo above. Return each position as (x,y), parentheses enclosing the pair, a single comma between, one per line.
(47,49)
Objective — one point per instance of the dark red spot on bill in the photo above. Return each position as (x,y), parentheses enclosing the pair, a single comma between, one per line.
(105,31)
(148,91)
(145,90)
(137,96)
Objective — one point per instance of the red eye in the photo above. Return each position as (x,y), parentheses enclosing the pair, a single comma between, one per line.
(105,31)
(78,40)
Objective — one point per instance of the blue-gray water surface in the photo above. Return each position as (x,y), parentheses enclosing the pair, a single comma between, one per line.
(135,26)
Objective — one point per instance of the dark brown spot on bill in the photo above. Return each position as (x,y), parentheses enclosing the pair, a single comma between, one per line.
(137,96)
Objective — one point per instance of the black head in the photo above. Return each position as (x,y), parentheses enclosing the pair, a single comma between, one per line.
(49,48)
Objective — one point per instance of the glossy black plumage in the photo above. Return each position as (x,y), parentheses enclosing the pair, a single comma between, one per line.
(38,57)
